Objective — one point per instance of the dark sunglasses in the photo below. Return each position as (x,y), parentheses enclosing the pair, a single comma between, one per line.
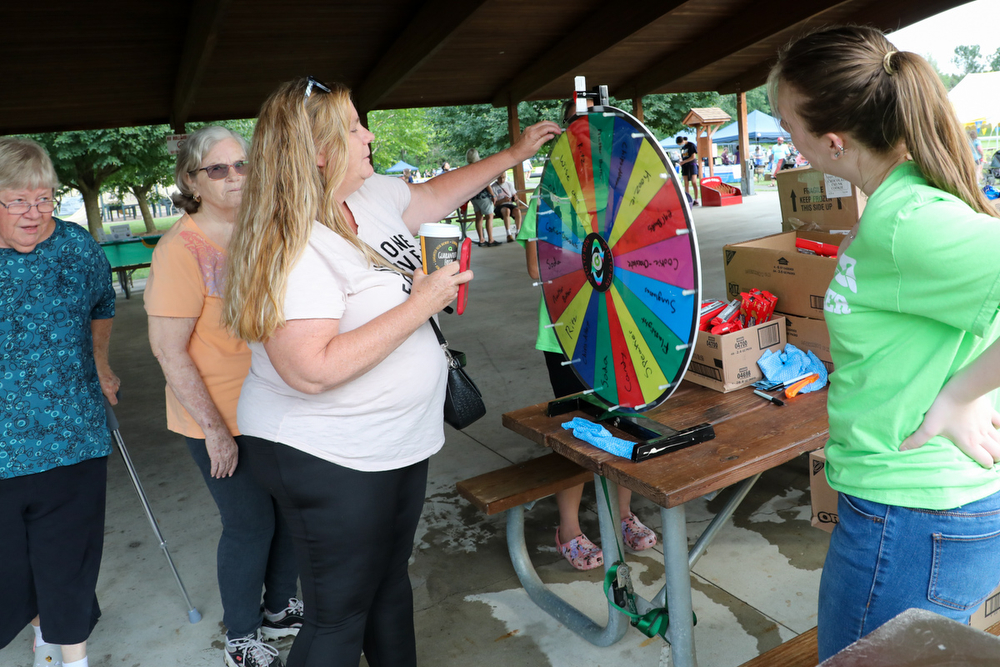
(217,172)
(317,84)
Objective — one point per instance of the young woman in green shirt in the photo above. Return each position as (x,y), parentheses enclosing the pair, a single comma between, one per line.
(912,314)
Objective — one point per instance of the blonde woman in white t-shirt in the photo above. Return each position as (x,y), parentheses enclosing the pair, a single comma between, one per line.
(343,404)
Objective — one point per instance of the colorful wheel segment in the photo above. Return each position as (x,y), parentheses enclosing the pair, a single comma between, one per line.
(618,260)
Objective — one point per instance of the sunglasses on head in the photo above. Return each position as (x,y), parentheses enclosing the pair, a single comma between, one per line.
(312,83)
(217,172)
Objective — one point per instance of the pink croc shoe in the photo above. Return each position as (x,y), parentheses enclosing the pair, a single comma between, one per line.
(636,536)
(581,552)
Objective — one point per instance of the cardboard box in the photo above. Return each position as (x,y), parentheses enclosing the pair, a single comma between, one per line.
(988,614)
(824,516)
(814,201)
(809,335)
(824,498)
(774,264)
(729,361)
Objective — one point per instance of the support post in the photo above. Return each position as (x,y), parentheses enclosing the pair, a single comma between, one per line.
(637,108)
(514,132)
(746,165)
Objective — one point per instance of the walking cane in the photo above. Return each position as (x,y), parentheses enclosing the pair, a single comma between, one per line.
(193,614)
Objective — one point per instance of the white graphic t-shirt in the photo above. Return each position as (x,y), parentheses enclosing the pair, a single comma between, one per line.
(391,416)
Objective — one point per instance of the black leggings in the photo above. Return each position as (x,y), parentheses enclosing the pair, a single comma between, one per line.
(353,533)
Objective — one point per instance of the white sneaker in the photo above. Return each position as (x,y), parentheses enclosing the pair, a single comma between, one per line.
(251,651)
(49,655)
(285,623)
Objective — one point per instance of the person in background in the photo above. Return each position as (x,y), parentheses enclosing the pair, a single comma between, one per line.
(912,313)
(55,329)
(689,166)
(577,548)
(483,205)
(344,402)
(507,205)
(205,365)
(977,150)
(780,153)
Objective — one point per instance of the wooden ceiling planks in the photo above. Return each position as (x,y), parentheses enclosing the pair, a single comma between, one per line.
(110,63)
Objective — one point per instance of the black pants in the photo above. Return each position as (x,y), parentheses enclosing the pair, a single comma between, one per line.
(353,533)
(51,541)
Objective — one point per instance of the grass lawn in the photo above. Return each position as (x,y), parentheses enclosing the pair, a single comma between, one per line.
(139,227)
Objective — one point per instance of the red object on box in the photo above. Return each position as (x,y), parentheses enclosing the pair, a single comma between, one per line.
(756,307)
(709,309)
(823,249)
(727,327)
(728,318)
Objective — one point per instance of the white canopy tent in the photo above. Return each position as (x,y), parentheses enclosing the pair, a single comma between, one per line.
(976,98)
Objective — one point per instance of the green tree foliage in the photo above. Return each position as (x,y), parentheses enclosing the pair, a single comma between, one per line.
(968,59)
(428,137)
(949,80)
(994,63)
(146,165)
(87,159)
(480,126)
(400,134)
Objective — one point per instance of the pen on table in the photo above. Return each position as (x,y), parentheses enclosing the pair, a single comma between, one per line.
(773,399)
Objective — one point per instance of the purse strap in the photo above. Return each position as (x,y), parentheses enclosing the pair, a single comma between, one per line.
(437,332)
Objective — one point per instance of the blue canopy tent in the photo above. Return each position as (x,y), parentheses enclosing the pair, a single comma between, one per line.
(400,166)
(760,127)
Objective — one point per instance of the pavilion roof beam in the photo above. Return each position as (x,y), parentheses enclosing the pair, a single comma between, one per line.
(203,31)
(747,80)
(610,25)
(435,22)
(743,29)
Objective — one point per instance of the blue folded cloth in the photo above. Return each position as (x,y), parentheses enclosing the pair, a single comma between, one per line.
(792,363)
(599,437)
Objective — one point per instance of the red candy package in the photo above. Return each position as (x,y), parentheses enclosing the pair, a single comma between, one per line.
(756,307)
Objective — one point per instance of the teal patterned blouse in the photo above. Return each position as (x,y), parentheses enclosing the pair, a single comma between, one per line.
(51,408)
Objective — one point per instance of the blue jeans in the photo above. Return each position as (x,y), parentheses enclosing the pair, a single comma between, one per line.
(884,559)
(255,550)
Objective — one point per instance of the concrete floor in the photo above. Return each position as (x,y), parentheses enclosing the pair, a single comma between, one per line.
(754,588)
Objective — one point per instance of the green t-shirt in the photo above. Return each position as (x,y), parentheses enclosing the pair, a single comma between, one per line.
(546,341)
(914,299)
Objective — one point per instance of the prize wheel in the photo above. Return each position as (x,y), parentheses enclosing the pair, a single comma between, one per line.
(618,259)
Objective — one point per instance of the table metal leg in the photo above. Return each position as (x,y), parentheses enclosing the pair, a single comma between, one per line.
(740,492)
(540,594)
(680,634)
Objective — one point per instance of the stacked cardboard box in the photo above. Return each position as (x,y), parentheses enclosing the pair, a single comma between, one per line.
(798,280)
(814,201)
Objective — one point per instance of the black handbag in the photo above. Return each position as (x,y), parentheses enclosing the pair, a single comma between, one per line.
(463,402)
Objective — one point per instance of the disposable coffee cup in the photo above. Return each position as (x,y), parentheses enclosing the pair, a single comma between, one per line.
(438,245)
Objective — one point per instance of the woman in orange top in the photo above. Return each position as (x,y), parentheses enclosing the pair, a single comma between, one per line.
(205,367)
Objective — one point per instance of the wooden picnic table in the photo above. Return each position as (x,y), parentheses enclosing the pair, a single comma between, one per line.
(128,255)
(751,436)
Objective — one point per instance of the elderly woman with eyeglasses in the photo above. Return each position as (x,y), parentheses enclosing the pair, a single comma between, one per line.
(56,307)
(205,367)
